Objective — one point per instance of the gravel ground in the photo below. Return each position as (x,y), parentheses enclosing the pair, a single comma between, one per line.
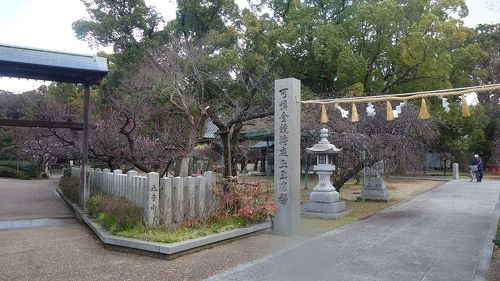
(69,251)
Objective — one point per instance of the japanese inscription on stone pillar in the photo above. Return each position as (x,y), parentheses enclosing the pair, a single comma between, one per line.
(287,155)
(153,194)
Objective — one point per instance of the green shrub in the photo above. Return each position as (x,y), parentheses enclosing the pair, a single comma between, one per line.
(7,172)
(497,239)
(71,188)
(115,213)
(20,175)
(67,172)
(28,168)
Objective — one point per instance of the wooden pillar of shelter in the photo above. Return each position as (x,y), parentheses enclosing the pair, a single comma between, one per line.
(84,180)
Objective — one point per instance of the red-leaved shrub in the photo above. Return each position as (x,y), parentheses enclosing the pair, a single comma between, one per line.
(249,201)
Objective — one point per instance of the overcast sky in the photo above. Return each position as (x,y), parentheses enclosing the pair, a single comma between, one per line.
(46,24)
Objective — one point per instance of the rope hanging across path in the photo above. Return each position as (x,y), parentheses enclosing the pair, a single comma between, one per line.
(409,96)
(424,113)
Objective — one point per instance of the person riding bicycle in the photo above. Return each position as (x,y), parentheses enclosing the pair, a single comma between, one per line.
(479,163)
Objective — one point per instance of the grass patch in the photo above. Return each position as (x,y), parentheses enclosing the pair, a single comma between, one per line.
(114,213)
(184,232)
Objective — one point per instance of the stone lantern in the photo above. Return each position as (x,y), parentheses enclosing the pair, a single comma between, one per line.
(324,199)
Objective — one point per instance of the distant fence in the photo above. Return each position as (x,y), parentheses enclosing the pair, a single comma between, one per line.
(166,200)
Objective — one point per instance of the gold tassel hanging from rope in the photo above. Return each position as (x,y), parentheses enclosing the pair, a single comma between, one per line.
(354,114)
(390,115)
(424,112)
(465,107)
(324,116)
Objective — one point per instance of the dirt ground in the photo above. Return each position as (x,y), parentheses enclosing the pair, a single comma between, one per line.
(399,190)
(494,273)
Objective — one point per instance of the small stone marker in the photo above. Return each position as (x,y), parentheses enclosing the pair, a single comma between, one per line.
(153,195)
(455,171)
(374,188)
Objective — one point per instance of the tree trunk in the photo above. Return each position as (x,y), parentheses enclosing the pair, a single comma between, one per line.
(339,180)
(182,167)
(230,142)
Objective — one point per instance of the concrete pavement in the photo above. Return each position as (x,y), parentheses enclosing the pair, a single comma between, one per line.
(32,199)
(442,234)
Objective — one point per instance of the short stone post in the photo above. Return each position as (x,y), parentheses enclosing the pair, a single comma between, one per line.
(287,156)
(166,200)
(190,198)
(135,187)
(455,171)
(123,185)
(178,199)
(143,192)
(200,201)
(129,185)
(210,200)
(106,180)
(116,180)
(98,176)
(153,195)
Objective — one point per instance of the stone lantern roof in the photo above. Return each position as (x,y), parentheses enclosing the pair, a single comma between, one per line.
(323,146)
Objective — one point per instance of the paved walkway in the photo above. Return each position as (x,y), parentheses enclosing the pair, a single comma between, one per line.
(443,234)
(33,199)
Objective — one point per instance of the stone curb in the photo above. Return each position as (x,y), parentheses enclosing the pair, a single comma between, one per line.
(484,261)
(162,248)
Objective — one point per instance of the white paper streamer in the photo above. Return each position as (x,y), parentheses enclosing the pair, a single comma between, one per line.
(370,111)
(343,112)
(446,104)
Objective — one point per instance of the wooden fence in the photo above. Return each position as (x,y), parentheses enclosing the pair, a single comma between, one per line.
(167,200)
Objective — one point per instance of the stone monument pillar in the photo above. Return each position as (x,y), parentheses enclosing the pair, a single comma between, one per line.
(287,156)
(373,184)
(324,201)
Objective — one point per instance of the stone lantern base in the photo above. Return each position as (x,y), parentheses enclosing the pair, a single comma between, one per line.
(324,205)
(376,195)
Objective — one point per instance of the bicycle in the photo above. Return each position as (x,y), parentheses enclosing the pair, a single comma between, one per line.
(472,173)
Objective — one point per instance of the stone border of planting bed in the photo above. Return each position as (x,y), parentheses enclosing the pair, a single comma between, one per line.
(162,248)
